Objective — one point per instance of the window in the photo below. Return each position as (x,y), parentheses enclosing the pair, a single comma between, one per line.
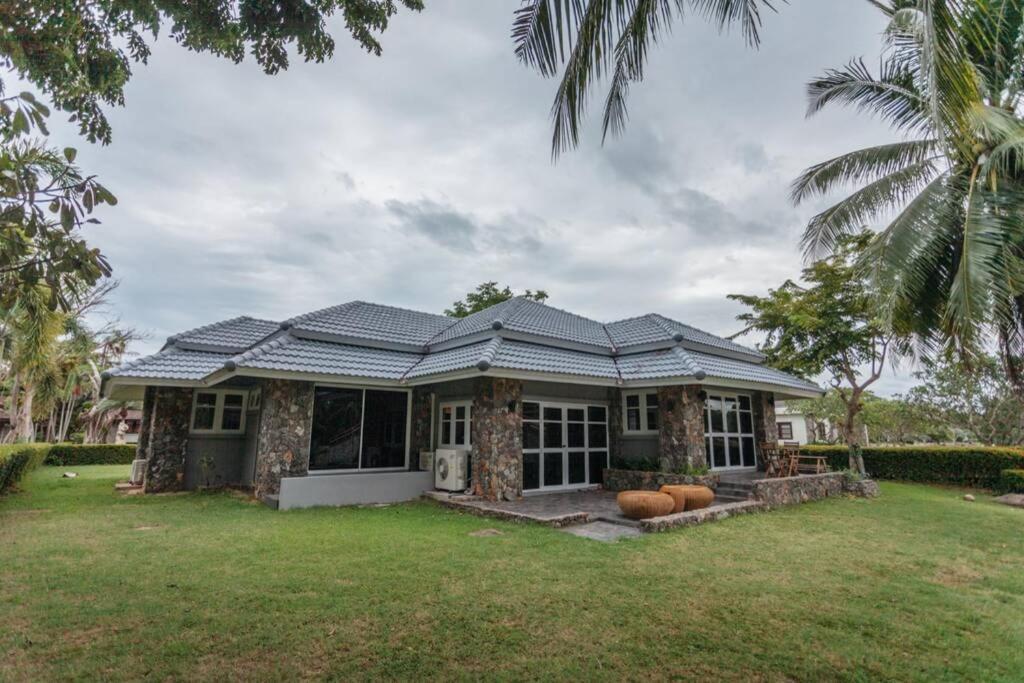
(218,412)
(457,424)
(641,412)
(785,431)
(729,431)
(358,429)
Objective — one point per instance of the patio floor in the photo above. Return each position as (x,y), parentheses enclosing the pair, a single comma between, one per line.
(552,509)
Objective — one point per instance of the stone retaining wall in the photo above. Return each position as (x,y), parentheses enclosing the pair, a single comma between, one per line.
(792,490)
(637,480)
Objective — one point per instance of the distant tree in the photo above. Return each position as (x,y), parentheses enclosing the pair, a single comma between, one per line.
(979,399)
(486,295)
(904,419)
(80,53)
(827,326)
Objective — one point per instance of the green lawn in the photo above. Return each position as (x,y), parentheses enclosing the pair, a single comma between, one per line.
(917,584)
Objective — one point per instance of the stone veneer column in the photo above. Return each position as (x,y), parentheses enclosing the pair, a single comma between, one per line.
(765,428)
(286,419)
(498,438)
(614,425)
(170,412)
(681,428)
(420,432)
(142,445)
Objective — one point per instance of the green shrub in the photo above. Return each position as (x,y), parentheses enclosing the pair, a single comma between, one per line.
(980,466)
(636,464)
(1012,481)
(70,455)
(16,460)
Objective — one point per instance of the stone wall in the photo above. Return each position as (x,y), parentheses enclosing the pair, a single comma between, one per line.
(681,428)
(636,480)
(614,424)
(792,490)
(286,418)
(420,432)
(765,428)
(142,446)
(497,438)
(170,414)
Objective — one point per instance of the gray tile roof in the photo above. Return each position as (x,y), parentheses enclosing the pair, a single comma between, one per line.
(653,328)
(327,358)
(234,334)
(361,320)
(730,368)
(173,363)
(356,337)
(674,362)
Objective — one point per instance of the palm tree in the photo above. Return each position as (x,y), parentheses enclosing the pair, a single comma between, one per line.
(593,39)
(949,259)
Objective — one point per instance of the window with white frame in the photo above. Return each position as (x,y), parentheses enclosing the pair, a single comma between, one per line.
(786,431)
(640,412)
(219,411)
(456,424)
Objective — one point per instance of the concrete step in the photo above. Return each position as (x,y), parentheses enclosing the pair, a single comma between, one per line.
(730,499)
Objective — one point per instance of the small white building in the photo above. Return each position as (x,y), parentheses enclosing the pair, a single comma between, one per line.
(791,424)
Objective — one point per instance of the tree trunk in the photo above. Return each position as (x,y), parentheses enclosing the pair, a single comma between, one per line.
(24,428)
(851,434)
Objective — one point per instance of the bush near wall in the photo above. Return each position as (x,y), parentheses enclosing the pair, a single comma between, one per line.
(1012,481)
(17,460)
(70,455)
(980,466)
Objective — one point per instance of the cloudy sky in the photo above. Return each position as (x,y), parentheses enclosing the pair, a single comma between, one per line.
(408,179)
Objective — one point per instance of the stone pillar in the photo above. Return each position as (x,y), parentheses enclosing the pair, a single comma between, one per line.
(286,419)
(765,429)
(614,425)
(170,412)
(498,438)
(142,447)
(681,428)
(420,432)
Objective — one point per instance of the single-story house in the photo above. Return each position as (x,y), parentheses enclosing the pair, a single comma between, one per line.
(336,406)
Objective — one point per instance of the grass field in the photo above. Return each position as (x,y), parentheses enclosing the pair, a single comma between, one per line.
(916,585)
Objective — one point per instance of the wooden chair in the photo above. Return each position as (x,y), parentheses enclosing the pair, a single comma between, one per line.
(790,456)
(771,456)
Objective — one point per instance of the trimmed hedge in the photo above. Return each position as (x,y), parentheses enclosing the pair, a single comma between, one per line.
(16,461)
(980,466)
(70,455)
(1013,481)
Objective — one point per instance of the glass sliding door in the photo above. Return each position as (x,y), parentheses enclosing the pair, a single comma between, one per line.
(358,429)
(564,445)
(729,431)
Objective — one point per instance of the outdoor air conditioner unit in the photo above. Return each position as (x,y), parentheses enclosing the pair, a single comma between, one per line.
(450,467)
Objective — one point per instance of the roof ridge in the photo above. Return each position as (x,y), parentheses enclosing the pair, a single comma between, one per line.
(283,338)
(698,372)
(524,298)
(489,353)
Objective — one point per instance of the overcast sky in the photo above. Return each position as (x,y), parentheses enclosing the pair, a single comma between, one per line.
(408,179)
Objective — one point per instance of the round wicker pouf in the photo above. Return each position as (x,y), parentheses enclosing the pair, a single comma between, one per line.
(644,504)
(697,496)
(678,494)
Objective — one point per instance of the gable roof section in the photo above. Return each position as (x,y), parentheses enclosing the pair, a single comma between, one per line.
(172,364)
(288,354)
(358,320)
(234,335)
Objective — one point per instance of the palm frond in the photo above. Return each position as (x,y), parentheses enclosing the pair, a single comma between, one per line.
(864,165)
(540,30)
(649,19)
(863,206)
(893,96)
